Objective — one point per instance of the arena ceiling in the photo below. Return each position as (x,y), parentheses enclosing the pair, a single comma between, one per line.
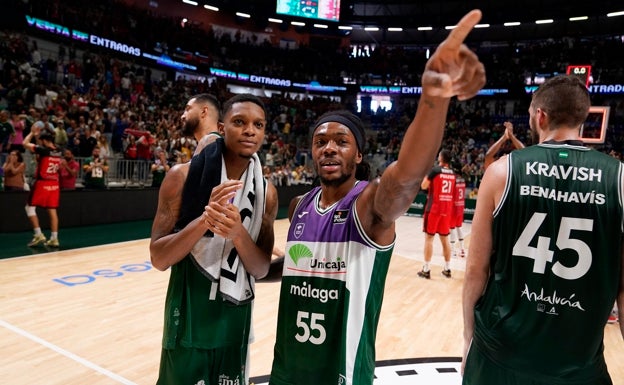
(437,14)
(412,14)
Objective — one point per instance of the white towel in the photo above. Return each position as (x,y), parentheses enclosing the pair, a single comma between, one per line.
(216,256)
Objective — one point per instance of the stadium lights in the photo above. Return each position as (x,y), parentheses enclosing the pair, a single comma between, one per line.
(396,29)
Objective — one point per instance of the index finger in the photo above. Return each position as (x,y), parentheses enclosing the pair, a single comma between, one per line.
(458,34)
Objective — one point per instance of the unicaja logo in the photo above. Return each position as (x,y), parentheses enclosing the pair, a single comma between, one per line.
(298,252)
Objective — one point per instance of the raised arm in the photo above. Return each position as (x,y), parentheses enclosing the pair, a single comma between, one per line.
(493,150)
(27,142)
(453,70)
(509,130)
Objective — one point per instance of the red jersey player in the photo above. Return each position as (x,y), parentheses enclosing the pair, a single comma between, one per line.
(440,184)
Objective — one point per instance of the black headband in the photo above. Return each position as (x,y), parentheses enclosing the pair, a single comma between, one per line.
(359,137)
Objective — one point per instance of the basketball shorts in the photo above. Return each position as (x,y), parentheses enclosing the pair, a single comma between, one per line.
(45,194)
(226,365)
(457,220)
(480,370)
(434,223)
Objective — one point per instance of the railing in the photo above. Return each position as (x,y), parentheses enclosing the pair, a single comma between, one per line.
(122,173)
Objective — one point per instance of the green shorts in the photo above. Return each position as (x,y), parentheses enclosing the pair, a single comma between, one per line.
(227,365)
(480,370)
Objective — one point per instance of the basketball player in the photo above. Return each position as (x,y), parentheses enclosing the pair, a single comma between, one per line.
(45,192)
(440,184)
(342,233)
(457,218)
(214,216)
(545,259)
(200,120)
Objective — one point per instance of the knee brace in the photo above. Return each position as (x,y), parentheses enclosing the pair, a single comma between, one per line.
(30,210)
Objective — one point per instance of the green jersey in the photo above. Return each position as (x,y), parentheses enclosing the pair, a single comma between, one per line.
(556,264)
(196,316)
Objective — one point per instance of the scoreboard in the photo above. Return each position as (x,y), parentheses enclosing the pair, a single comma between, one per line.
(583,72)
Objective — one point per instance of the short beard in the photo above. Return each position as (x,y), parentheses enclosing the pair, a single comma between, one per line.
(534,135)
(340,180)
(335,182)
(189,127)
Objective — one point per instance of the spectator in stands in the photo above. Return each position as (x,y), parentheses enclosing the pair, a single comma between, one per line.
(61,139)
(6,131)
(187,147)
(19,126)
(42,100)
(159,168)
(88,141)
(72,135)
(130,150)
(105,149)
(181,158)
(14,172)
(144,155)
(68,170)
(95,169)
(130,157)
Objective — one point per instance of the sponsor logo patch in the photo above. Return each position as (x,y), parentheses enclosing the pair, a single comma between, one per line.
(340,217)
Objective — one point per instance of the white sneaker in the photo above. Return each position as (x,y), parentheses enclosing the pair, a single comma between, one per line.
(37,240)
(53,243)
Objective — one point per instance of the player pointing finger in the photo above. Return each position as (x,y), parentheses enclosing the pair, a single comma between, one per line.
(454,69)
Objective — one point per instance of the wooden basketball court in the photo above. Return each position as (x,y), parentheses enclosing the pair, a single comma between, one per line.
(94,315)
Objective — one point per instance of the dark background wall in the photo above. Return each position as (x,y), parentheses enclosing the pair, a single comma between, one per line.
(84,208)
